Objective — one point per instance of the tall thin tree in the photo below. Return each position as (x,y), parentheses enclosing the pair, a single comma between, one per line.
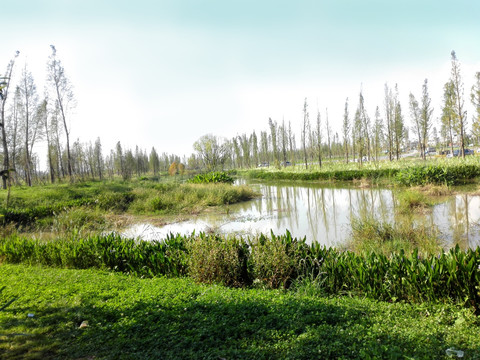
(304,132)
(475,98)
(460,113)
(426,112)
(4,87)
(346,130)
(64,97)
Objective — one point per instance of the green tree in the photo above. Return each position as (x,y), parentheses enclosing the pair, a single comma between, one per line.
(212,150)
(398,124)
(448,112)
(306,125)
(273,135)
(154,161)
(460,120)
(346,130)
(389,120)
(318,134)
(63,95)
(30,119)
(254,142)
(425,116)
(98,158)
(329,131)
(475,97)
(284,142)
(415,115)
(378,133)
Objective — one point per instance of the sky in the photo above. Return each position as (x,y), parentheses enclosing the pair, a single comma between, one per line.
(158,73)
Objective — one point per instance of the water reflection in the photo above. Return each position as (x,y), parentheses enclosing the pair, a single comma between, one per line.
(323,214)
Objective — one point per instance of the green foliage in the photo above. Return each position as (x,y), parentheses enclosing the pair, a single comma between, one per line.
(113,201)
(438,174)
(411,200)
(103,252)
(275,261)
(213,259)
(443,172)
(187,198)
(371,235)
(132,318)
(327,175)
(212,177)
(41,207)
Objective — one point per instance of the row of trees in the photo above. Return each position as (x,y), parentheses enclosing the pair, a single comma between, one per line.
(362,137)
(28,118)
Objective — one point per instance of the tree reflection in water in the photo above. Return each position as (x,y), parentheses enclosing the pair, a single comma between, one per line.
(324,213)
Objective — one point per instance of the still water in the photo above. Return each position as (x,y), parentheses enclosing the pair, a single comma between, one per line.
(324,214)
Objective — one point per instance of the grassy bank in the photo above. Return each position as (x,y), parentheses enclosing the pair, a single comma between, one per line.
(271,262)
(60,206)
(411,173)
(87,314)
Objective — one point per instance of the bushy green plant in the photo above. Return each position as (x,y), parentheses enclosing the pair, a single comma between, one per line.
(79,218)
(447,174)
(275,259)
(213,259)
(212,177)
(410,200)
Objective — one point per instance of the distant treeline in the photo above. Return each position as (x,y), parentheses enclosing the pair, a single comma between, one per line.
(26,118)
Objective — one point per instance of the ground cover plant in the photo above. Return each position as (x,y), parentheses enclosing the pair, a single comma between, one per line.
(86,314)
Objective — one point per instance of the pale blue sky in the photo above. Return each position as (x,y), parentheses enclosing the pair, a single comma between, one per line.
(176,70)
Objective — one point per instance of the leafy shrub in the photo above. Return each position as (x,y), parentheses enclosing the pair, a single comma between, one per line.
(438,174)
(212,177)
(275,260)
(213,259)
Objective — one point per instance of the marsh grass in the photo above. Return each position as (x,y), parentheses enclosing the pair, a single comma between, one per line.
(413,201)
(188,198)
(372,235)
(86,205)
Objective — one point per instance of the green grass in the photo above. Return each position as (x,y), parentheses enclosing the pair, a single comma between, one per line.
(84,205)
(371,235)
(133,318)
